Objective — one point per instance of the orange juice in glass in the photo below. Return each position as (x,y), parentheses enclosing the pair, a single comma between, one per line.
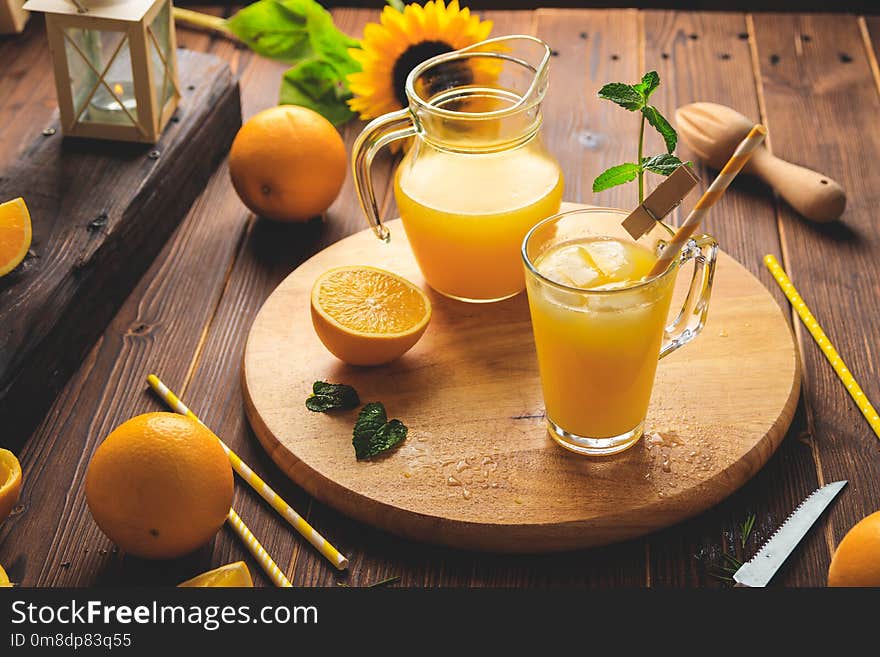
(477,176)
(600,326)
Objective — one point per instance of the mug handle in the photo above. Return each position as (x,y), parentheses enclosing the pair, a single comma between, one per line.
(703,250)
(376,134)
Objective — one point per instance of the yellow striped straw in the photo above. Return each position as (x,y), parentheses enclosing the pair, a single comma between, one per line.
(261,487)
(800,306)
(710,197)
(259,553)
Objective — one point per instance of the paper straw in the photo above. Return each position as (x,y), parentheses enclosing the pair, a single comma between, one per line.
(855,391)
(716,190)
(261,487)
(257,550)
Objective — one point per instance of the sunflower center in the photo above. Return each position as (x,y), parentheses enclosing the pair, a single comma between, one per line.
(415,55)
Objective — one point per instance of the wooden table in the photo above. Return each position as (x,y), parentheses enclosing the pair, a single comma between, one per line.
(812,79)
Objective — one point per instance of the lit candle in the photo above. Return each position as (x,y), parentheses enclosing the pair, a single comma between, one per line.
(104,108)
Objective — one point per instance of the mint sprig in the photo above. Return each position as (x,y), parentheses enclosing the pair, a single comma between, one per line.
(634,97)
(374,434)
(332,396)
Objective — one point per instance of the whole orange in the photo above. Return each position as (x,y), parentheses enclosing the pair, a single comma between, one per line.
(856,561)
(287,163)
(160,485)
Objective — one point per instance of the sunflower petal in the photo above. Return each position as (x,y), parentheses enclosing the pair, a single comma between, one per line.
(384,42)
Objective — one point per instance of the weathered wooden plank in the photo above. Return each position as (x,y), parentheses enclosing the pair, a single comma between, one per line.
(821,102)
(587,134)
(26,100)
(707,57)
(101,211)
(53,540)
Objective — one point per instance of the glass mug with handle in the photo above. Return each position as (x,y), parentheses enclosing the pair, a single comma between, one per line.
(477,176)
(600,327)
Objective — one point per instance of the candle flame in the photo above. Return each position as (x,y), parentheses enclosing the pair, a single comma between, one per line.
(117,89)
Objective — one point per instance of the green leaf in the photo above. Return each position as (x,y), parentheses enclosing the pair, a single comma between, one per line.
(396,4)
(288,30)
(622,173)
(315,84)
(664,164)
(650,81)
(659,122)
(373,434)
(302,33)
(332,396)
(624,95)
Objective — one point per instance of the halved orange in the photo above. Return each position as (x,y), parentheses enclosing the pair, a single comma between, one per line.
(15,234)
(368,316)
(10,482)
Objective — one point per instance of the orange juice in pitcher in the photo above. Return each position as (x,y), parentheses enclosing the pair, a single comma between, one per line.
(477,176)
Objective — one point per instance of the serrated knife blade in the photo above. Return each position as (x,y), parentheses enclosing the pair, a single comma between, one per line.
(759,570)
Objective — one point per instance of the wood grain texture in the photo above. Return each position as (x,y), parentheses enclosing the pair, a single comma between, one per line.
(101,212)
(206,286)
(26,101)
(819,65)
(707,57)
(266,256)
(478,470)
(52,539)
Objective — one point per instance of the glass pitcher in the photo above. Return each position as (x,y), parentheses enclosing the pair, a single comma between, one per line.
(477,176)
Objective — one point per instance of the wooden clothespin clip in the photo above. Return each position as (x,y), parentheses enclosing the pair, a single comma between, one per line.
(665,197)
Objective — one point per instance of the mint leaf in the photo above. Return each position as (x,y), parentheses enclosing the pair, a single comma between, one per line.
(664,164)
(331,396)
(624,95)
(659,122)
(650,81)
(614,176)
(373,434)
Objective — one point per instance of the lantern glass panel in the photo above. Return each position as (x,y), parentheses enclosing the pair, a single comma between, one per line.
(159,45)
(101,80)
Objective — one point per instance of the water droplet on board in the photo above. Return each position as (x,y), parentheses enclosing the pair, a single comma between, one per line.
(462,465)
(465,493)
(722,333)
(452,481)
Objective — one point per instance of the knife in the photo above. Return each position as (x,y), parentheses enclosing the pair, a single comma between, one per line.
(759,570)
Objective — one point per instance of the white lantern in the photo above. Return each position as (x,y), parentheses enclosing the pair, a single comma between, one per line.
(115,66)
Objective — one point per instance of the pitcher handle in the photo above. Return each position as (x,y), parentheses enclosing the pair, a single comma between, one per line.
(703,250)
(376,134)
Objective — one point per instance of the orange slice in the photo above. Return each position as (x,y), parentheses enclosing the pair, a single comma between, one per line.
(233,575)
(15,234)
(4,579)
(368,316)
(10,482)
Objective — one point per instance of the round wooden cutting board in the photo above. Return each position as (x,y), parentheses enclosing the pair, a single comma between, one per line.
(477,469)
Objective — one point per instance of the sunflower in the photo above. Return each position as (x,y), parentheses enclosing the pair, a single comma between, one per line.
(403,40)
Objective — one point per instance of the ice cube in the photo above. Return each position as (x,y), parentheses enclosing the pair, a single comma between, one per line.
(569,265)
(610,258)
